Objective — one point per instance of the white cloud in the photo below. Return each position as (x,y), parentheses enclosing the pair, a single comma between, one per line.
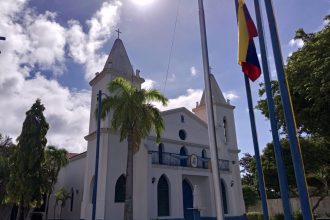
(296,43)
(149,84)
(67,111)
(193,71)
(231,95)
(37,42)
(187,100)
(84,47)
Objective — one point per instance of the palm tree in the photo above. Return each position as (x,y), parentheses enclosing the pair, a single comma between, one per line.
(133,116)
(61,197)
(55,159)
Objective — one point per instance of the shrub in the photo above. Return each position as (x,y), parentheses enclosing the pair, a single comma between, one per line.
(254,216)
(279,216)
(297,215)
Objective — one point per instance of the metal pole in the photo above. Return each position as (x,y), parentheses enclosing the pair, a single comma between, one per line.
(288,114)
(99,96)
(261,182)
(2,38)
(283,181)
(210,115)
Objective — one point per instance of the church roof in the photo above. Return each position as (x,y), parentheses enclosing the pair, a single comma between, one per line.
(118,59)
(216,92)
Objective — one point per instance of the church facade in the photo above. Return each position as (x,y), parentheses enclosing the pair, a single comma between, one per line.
(170,178)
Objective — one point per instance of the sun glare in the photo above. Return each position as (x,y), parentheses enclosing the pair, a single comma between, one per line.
(142,2)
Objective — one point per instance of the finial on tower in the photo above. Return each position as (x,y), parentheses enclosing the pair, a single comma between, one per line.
(119,32)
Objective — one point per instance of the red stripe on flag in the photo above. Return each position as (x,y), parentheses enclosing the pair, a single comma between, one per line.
(252,71)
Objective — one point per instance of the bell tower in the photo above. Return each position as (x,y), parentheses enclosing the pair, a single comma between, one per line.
(117,65)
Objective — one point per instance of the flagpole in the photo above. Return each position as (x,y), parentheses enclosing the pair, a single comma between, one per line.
(261,182)
(210,114)
(288,115)
(283,181)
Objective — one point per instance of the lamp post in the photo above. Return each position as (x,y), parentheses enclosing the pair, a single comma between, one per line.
(2,38)
(98,131)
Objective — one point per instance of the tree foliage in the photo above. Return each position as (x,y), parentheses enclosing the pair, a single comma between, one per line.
(315,153)
(133,116)
(250,195)
(308,75)
(25,186)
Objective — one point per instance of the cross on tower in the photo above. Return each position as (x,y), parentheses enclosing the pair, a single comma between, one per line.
(119,32)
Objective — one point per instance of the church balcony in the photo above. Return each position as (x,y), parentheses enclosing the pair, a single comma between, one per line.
(193,161)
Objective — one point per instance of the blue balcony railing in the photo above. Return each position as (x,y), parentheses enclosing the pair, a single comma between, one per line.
(173,159)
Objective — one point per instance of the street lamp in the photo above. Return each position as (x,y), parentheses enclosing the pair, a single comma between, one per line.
(2,38)
(96,172)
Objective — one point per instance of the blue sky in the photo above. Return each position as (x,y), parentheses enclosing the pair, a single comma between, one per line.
(53,49)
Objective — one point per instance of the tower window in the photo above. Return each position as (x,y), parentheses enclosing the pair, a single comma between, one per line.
(182,119)
(120,189)
(225,130)
(160,153)
(72,198)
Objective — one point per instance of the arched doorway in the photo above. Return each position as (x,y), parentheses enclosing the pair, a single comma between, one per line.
(183,160)
(163,196)
(224,197)
(187,195)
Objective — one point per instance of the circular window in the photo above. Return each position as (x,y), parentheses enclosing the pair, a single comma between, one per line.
(182,134)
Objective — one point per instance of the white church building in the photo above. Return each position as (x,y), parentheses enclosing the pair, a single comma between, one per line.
(169,176)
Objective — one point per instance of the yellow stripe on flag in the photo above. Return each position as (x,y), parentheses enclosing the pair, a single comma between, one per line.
(243,34)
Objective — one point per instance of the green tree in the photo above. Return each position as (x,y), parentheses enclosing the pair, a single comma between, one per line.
(25,186)
(319,182)
(308,75)
(315,153)
(250,195)
(55,159)
(248,170)
(134,116)
(6,151)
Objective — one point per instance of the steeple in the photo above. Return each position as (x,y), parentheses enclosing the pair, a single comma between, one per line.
(118,59)
(217,95)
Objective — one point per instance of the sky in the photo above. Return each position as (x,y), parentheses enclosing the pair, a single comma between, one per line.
(53,49)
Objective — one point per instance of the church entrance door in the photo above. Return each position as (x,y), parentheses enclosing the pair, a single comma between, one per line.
(187,200)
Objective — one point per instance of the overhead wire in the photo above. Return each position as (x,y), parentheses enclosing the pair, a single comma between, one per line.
(172,44)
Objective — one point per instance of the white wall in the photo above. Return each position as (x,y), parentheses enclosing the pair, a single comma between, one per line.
(71,176)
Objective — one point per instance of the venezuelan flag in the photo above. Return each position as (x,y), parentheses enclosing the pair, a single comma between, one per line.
(247,54)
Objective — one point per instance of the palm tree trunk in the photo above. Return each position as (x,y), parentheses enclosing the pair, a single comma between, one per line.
(128,211)
(47,206)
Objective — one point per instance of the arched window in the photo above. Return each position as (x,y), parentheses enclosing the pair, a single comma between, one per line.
(204,163)
(224,197)
(72,198)
(91,190)
(120,189)
(160,153)
(163,198)
(225,129)
(183,160)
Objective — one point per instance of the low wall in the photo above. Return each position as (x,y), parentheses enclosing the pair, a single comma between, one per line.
(275,206)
